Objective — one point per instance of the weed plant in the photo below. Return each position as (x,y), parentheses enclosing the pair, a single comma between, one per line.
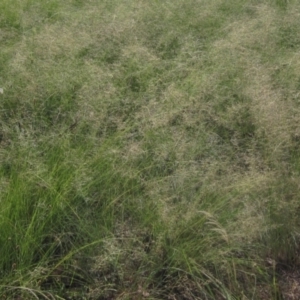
(149,149)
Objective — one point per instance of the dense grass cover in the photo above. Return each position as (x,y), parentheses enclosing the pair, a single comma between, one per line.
(149,149)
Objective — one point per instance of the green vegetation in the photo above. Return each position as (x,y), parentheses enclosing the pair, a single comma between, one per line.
(149,149)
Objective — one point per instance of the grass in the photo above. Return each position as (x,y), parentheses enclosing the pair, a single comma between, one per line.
(149,149)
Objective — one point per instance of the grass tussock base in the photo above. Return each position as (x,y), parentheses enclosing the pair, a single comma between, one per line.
(149,150)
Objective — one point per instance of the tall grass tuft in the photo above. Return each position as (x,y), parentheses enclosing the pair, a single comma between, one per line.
(149,149)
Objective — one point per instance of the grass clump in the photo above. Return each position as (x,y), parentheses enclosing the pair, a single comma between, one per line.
(149,150)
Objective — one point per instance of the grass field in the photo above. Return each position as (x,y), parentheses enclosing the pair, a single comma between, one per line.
(149,149)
